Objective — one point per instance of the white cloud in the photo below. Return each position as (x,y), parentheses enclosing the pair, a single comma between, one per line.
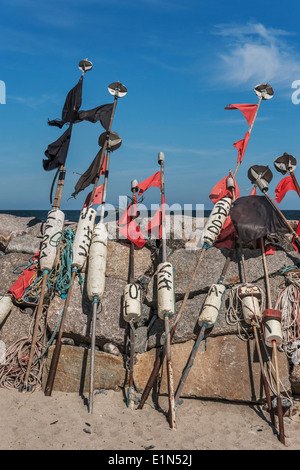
(256,54)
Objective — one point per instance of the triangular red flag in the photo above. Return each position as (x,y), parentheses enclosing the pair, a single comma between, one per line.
(24,281)
(103,168)
(97,197)
(133,233)
(248,110)
(253,191)
(153,180)
(154,225)
(241,145)
(220,190)
(285,185)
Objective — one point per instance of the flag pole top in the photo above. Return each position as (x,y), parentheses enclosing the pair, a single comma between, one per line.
(264,91)
(113,139)
(161,157)
(85,65)
(117,89)
(261,176)
(285,164)
(134,184)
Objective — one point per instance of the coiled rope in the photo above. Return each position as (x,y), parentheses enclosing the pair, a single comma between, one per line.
(288,301)
(13,370)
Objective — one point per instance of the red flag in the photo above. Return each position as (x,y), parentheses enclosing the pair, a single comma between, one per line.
(220,190)
(248,110)
(228,232)
(103,168)
(241,145)
(285,185)
(97,197)
(133,233)
(227,235)
(153,180)
(129,228)
(24,281)
(154,225)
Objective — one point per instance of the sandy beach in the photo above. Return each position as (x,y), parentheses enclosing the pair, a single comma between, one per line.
(31,421)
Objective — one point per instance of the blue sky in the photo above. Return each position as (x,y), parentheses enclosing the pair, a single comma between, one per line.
(182,62)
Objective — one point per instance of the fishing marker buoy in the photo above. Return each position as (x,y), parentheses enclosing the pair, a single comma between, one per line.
(132,302)
(97,262)
(52,233)
(271,320)
(165,290)
(212,305)
(216,221)
(5,307)
(250,297)
(83,236)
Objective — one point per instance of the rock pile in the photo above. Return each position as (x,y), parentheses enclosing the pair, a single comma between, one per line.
(226,367)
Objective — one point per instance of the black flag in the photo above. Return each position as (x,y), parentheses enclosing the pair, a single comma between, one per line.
(57,151)
(88,176)
(254,217)
(101,113)
(71,106)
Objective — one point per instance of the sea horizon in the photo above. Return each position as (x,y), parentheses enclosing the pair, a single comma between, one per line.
(73,214)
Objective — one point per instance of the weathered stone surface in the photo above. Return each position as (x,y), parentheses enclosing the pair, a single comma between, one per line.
(11,226)
(7,264)
(226,368)
(187,326)
(110,324)
(295,379)
(73,369)
(24,244)
(185,261)
(16,326)
(118,261)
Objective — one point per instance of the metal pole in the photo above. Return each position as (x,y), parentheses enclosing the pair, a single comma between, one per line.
(58,344)
(96,299)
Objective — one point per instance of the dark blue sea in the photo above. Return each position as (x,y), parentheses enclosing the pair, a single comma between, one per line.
(73,215)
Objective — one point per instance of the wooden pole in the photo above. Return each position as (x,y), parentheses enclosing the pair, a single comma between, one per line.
(269,299)
(250,130)
(25,386)
(160,357)
(172,423)
(131,393)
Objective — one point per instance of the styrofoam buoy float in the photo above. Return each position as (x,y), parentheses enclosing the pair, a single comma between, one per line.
(215,221)
(212,305)
(271,320)
(250,297)
(52,232)
(83,236)
(132,302)
(97,262)
(165,290)
(5,307)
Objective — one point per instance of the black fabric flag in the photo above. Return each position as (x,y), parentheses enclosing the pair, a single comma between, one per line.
(57,151)
(101,113)
(89,176)
(71,106)
(254,217)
